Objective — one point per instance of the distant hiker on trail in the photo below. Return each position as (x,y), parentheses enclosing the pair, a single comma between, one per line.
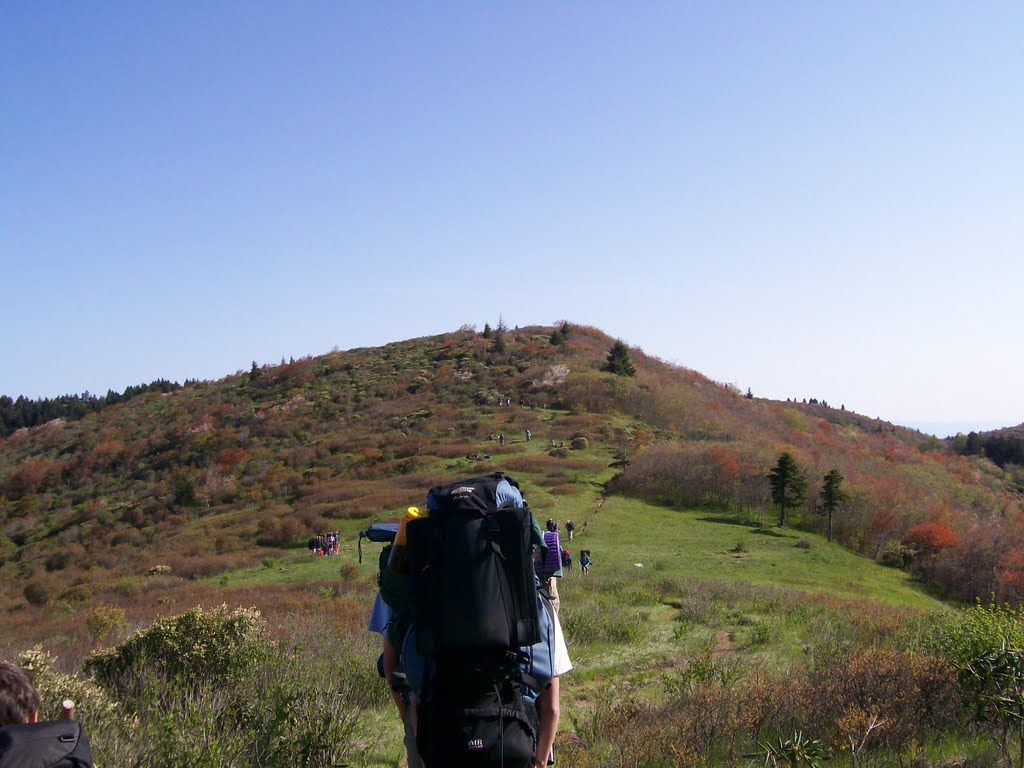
(529,436)
(567,559)
(585,561)
(501,439)
(24,741)
(549,566)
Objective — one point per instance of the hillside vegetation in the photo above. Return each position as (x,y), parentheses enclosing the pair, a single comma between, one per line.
(706,634)
(224,474)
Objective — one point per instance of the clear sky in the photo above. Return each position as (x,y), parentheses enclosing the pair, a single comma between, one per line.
(808,199)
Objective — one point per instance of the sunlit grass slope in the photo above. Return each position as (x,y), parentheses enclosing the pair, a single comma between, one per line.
(625,533)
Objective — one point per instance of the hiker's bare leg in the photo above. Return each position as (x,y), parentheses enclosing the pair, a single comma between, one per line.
(548,712)
(409,720)
(390,664)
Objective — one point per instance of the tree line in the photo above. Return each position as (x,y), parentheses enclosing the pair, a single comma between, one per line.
(26,412)
(1000,449)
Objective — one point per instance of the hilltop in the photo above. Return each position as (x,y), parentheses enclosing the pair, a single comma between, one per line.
(222,475)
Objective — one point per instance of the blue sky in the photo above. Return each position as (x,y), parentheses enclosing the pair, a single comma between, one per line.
(809,199)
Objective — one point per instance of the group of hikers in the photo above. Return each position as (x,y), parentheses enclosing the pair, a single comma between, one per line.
(566,555)
(468,612)
(324,544)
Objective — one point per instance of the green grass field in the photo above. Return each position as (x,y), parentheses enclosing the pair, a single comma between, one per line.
(667,587)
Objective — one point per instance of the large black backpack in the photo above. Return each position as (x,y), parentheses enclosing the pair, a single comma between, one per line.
(474,607)
(53,744)
(471,570)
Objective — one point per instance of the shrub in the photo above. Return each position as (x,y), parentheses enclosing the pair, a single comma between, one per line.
(104,619)
(91,702)
(158,570)
(579,443)
(985,645)
(196,645)
(896,555)
(348,571)
(301,706)
(916,695)
(279,532)
(36,593)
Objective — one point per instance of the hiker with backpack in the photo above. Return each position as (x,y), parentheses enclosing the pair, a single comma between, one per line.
(24,741)
(585,561)
(485,650)
(548,566)
(390,618)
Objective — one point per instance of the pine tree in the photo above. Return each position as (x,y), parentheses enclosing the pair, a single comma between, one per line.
(832,496)
(789,486)
(618,360)
(487,330)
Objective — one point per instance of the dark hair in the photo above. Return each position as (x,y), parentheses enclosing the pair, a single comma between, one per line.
(18,699)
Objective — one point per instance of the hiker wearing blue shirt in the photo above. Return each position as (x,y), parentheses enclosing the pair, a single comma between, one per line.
(545,661)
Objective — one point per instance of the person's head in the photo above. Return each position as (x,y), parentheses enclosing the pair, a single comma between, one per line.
(19,702)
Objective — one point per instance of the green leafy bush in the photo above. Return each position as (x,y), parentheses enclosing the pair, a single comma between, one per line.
(199,644)
(896,555)
(104,619)
(985,645)
(36,593)
(53,686)
(207,688)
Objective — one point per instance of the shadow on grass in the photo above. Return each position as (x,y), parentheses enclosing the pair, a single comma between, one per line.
(724,520)
(769,532)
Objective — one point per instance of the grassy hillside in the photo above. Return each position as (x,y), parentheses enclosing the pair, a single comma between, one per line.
(238,473)
(699,635)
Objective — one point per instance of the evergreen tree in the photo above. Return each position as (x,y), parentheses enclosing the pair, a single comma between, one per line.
(487,330)
(618,360)
(254,372)
(832,496)
(498,345)
(789,486)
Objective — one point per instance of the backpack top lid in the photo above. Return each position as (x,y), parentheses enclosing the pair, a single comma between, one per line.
(481,494)
(51,744)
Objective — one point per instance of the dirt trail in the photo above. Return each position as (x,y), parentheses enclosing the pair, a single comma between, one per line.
(723,644)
